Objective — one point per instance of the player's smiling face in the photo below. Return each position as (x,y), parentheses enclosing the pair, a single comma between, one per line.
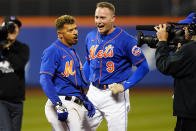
(104,20)
(68,34)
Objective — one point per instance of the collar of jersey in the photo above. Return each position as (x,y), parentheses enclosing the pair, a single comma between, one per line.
(111,35)
(59,43)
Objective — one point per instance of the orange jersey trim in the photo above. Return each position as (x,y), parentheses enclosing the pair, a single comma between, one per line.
(46,73)
(103,49)
(139,61)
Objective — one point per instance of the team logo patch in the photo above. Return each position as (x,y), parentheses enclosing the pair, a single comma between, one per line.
(136,51)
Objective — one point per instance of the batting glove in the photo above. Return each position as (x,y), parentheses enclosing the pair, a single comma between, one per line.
(116,88)
(61,112)
(90,107)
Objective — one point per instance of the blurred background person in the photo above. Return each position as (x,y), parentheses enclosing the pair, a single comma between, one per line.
(13,58)
(181,65)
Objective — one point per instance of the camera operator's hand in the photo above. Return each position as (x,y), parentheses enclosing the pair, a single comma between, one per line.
(8,44)
(162,34)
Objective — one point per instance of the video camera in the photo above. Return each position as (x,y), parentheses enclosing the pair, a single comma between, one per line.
(4,30)
(175,31)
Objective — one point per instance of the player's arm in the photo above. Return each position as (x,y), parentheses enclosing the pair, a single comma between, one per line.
(48,87)
(86,69)
(136,57)
(47,70)
(86,66)
(141,71)
(49,90)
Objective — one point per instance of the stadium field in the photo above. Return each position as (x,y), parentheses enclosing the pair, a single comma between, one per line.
(151,110)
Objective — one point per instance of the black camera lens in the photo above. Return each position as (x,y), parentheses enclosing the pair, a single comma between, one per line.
(10,27)
(151,41)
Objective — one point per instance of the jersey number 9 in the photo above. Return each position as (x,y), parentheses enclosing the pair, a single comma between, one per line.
(110,66)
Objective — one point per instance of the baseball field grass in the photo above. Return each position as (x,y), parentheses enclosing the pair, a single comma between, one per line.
(151,110)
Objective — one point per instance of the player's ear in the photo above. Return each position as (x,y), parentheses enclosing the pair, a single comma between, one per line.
(113,18)
(59,34)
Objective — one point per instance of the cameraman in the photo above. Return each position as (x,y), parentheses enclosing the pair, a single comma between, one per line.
(181,65)
(13,58)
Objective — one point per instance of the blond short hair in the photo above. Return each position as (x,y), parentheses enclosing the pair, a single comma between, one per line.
(62,20)
(106,5)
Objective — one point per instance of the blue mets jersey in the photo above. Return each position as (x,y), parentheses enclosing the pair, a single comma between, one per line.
(63,65)
(110,57)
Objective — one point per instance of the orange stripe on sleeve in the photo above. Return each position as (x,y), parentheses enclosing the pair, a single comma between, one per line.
(139,61)
(47,73)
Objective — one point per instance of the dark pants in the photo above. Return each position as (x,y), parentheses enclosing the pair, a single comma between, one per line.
(185,124)
(10,116)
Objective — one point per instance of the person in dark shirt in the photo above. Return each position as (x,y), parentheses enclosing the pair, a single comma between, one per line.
(13,58)
(181,65)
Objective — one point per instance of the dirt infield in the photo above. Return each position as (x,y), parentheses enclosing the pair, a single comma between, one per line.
(37,90)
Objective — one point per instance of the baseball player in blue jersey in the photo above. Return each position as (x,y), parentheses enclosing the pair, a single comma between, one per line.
(62,79)
(111,53)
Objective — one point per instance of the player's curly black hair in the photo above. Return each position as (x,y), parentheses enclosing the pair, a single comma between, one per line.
(65,19)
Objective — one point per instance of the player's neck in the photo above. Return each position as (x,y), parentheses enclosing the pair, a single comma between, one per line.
(110,31)
(65,43)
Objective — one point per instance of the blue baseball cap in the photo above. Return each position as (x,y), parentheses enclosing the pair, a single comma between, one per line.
(188,20)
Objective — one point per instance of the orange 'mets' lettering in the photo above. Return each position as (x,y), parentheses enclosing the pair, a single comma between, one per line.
(100,54)
(68,69)
(108,52)
(92,51)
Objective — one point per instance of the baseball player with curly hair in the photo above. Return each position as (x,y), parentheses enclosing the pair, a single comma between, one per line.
(62,79)
(111,53)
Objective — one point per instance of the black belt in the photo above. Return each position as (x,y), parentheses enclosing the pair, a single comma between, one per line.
(100,86)
(77,100)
